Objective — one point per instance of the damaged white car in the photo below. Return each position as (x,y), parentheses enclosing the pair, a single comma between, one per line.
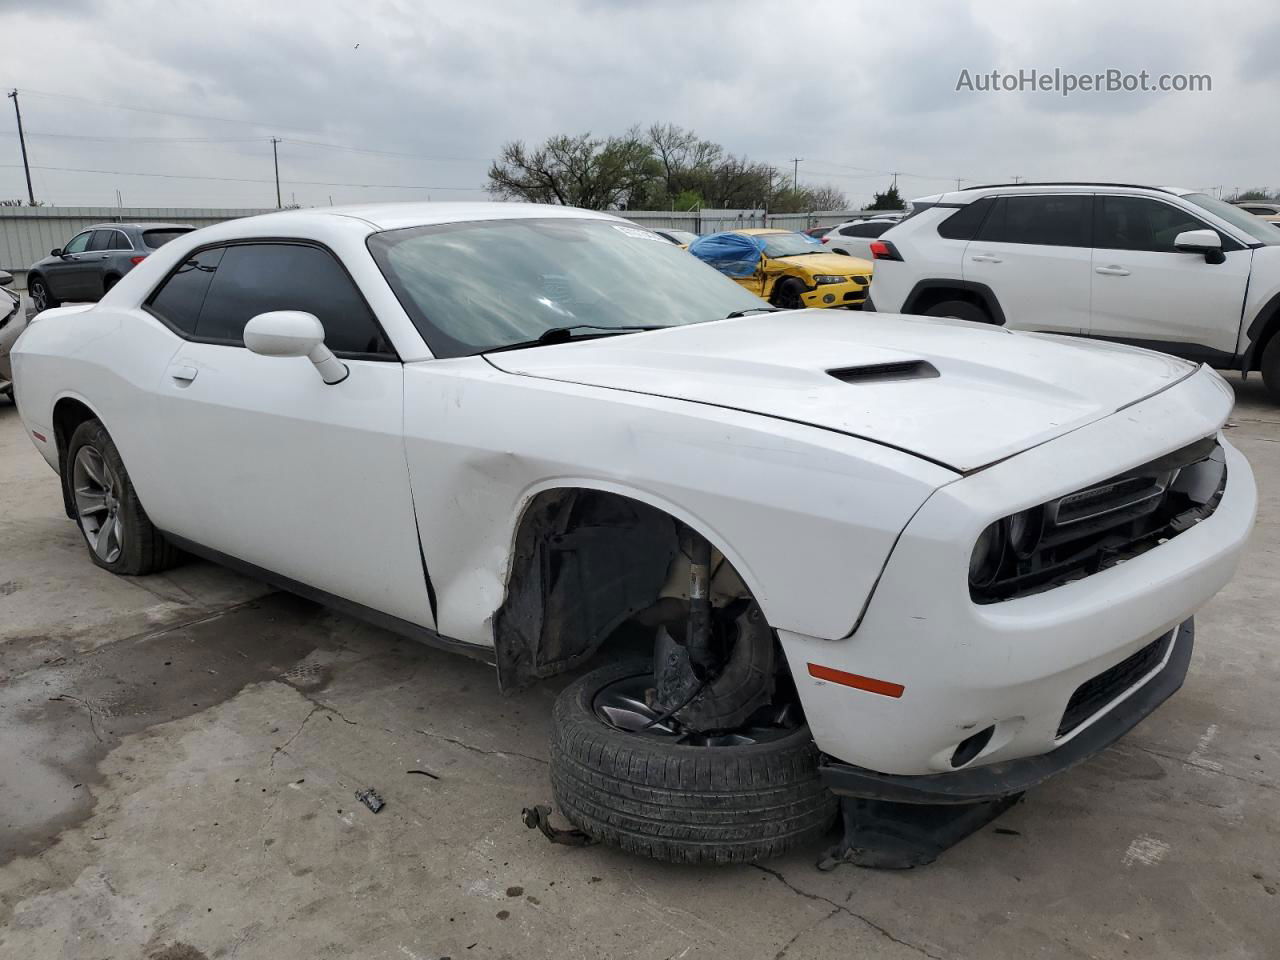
(884,557)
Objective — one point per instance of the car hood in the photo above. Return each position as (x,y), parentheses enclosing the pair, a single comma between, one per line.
(836,263)
(960,394)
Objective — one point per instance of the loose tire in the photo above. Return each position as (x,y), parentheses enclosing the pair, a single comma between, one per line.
(680,803)
(787,294)
(960,310)
(41,298)
(1271,367)
(117,531)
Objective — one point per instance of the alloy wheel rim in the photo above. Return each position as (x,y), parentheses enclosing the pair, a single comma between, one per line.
(624,706)
(38,295)
(97,492)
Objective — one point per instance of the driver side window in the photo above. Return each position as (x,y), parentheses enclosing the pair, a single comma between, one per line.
(79,243)
(1142,224)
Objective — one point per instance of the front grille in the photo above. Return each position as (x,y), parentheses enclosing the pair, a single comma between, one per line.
(1090,530)
(1096,693)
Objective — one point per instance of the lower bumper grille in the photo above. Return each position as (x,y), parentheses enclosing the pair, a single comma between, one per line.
(1096,693)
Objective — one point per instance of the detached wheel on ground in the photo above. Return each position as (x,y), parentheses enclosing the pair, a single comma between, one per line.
(959,310)
(1271,368)
(629,776)
(117,531)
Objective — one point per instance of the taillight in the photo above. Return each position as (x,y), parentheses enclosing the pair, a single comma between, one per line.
(826,239)
(884,250)
(137,260)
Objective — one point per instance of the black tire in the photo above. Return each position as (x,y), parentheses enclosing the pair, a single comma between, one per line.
(787,294)
(108,283)
(143,549)
(960,310)
(1270,365)
(682,804)
(41,297)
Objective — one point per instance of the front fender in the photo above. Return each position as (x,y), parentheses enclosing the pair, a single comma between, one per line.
(808,517)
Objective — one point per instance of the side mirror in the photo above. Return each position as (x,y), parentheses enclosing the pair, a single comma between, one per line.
(1206,242)
(55,252)
(6,278)
(292,333)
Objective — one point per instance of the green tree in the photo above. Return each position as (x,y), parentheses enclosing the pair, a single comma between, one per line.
(889,200)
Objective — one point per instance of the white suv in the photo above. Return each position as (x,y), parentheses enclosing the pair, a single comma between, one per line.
(1169,269)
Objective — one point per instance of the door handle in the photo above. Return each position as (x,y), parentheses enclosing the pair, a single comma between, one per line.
(986,258)
(184,374)
(1112,271)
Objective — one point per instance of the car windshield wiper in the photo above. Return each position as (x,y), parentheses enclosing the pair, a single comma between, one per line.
(742,313)
(565,334)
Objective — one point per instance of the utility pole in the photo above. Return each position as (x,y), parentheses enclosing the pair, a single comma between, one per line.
(1017,179)
(795,173)
(275,158)
(22,140)
(959,180)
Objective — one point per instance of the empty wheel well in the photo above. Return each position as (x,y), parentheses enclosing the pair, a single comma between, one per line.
(585,563)
(1271,325)
(68,414)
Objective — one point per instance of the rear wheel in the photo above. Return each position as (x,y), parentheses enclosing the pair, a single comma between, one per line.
(41,298)
(959,310)
(633,776)
(1271,367)
(117,531)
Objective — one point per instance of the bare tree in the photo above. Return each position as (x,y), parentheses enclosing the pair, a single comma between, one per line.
(579,171)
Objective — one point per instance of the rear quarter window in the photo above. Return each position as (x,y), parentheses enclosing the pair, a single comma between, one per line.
(155,239)
(965,222)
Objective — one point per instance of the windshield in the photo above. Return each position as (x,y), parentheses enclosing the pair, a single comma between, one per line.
(477,286)
(1261,230)
(681,236)
(788,245)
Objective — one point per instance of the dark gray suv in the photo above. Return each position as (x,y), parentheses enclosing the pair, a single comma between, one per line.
(94,259)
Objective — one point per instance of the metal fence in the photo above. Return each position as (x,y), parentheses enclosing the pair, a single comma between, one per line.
(29,233)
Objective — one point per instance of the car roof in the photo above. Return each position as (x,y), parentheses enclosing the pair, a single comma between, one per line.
(394,216)
(139,226)
(757,231)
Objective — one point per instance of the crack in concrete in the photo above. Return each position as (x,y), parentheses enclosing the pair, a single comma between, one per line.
(281,749)
(1204,767)
(481,750)
(318,705)
(93,725)
(842,908)
(801,932)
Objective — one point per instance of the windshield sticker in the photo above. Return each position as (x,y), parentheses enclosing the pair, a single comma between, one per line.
(637,233)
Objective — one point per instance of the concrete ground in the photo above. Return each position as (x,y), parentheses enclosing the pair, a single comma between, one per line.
(179,754)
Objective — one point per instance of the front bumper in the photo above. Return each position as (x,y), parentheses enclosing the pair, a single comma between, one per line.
(959,667)
(990,782)
(836,295)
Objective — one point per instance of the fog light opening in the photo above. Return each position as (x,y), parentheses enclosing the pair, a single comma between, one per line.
(970,748)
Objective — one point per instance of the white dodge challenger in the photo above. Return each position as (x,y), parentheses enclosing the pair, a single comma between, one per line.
(808,555)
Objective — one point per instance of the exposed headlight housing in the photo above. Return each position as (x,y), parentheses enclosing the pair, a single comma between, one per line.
(829,278)
(984,562)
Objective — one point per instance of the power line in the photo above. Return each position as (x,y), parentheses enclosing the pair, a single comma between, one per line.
(117,139)
(182,176)
(387,153)
(163,113)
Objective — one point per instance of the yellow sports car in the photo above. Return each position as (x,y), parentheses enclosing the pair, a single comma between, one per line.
(788,269)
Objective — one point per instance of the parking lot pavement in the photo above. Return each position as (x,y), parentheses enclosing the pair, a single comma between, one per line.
(179,757)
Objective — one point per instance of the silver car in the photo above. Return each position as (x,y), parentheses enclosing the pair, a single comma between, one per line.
(12,320)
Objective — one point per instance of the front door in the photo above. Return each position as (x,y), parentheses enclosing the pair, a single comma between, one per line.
(70,276)
(1148,293)
(269,464)
(1032,252)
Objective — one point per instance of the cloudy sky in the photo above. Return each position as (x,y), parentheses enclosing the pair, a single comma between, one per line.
(174,103)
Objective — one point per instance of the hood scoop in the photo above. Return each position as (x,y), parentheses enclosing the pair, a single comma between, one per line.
(885,372)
